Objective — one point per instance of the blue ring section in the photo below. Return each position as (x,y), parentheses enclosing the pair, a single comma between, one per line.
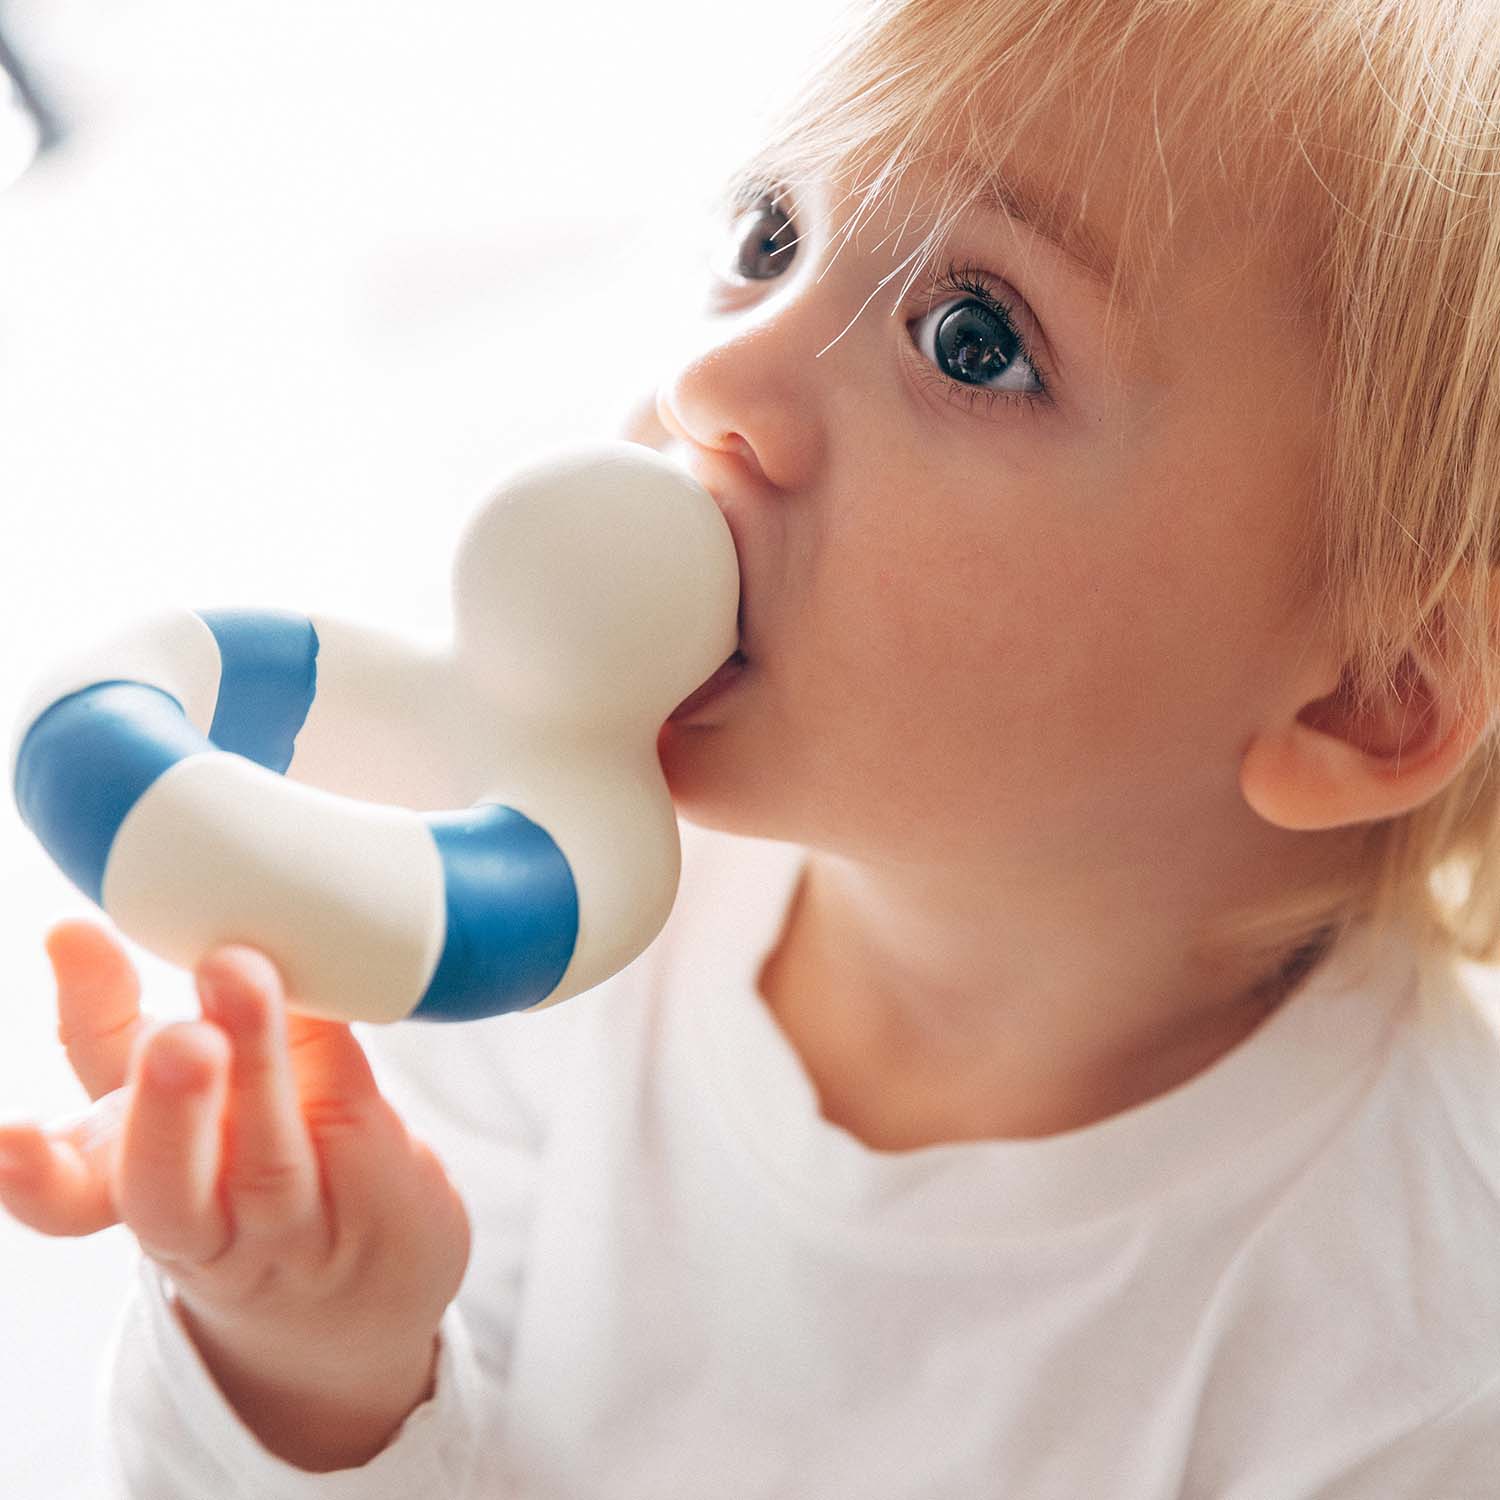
(512,915)
(87,761)
(268,679)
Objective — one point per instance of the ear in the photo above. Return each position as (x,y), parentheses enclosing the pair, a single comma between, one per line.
(1330,765)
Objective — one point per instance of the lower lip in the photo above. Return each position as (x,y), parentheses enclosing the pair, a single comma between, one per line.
(725,677)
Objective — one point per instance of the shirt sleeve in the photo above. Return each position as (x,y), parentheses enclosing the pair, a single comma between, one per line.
(478,1094)
(172,1434)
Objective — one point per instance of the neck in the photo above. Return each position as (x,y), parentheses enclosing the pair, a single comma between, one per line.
(929,1011)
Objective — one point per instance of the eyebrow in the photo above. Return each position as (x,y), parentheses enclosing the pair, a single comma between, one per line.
(1055,217)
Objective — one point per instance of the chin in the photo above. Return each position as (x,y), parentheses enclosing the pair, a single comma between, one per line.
(715,785)
(693,766)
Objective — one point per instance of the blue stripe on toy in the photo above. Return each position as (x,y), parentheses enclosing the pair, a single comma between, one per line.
(87,761)
(512,915)
(268,678)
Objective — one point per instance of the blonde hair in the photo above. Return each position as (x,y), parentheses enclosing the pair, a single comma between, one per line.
(1379,121)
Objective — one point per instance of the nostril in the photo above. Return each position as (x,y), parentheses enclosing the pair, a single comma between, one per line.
(740,448)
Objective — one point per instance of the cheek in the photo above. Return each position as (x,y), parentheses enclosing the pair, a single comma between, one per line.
(1161,649)
(933,630)
(1056,650)
(928,646)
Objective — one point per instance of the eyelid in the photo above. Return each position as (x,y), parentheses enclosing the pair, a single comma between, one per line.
(1051,289)
(1012,302)
(746,193)
(740,199)
(731,293)
(738,203)
(957,280)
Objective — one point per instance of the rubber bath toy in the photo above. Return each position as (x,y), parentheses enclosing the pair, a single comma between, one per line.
(436,831)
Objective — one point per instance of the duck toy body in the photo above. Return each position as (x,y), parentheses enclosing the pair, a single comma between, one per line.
(436,832)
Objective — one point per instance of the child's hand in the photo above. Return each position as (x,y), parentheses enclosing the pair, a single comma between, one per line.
(642,425)
(314,1244)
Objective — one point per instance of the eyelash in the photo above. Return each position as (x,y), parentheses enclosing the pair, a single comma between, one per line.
(966,280)
(957,280)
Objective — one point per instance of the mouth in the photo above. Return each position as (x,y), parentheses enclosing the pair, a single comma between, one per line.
(734,666)
(727,674)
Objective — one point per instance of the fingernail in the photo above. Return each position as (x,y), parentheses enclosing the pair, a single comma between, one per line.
(168,1066)
(221,1004)
(231,1004)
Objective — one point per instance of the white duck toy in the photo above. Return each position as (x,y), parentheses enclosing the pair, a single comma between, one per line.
(441,833)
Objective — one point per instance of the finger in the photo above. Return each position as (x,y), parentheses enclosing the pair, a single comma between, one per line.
(353,1129)
(99,1018)
(57,1181)
(270,1172)
(168,1168)
(642,424)
(334,1082)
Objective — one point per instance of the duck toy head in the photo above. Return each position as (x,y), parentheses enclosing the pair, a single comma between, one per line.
(434,831)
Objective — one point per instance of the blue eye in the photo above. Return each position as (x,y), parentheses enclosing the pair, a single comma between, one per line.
(761,243)
(972,339)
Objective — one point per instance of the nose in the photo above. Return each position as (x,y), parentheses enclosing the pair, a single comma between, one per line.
(750,397)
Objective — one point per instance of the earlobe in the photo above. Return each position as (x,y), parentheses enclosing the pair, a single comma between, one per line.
(1332,765)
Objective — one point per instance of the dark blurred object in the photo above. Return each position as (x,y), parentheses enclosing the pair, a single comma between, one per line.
(27,126)
(49,130)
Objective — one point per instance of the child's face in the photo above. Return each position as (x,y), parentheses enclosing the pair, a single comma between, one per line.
(982,620)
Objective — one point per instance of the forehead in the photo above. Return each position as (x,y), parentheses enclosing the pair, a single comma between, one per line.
(1160,172)
(1163,238)
(1151,125)
(1096,175)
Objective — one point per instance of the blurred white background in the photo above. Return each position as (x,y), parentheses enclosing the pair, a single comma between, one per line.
(301,282)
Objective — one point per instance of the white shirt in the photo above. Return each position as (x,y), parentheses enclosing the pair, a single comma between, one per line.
(1279,1280)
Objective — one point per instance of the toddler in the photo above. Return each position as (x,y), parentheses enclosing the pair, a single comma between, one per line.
(1068,1072)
